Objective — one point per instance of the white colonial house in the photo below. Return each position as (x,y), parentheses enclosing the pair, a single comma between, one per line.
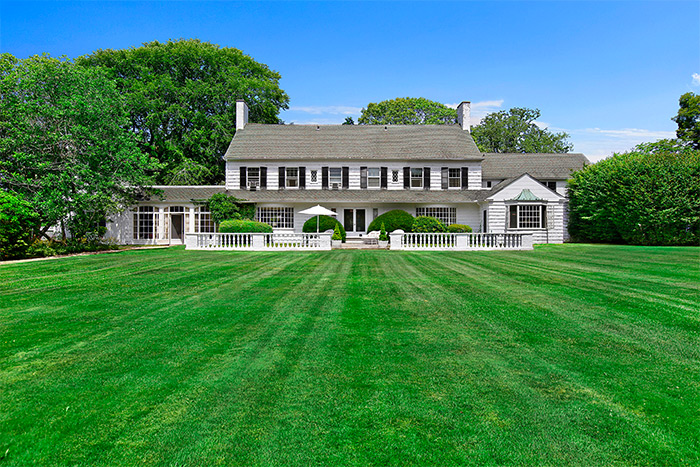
(362,171)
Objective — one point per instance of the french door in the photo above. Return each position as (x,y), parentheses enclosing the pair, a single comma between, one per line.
(354,221)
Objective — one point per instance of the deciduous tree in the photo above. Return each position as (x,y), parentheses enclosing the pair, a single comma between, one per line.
(407,111)
(688,119)
(63,146)
(515,131)
(181,98)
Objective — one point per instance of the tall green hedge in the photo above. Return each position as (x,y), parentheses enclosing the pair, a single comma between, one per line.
(648,196)
(244,226)
(392,220)
(325,223)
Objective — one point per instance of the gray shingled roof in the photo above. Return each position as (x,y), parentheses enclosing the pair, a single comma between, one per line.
(540,166)
(352,142)
(187,193)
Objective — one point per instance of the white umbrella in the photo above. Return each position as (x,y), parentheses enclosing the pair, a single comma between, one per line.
(318,210)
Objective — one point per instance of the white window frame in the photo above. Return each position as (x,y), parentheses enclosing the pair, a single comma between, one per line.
(277,216)
(416,180)
(203,222)
(528,217)
(335,176)
(446,215)
(291,179)
(454,181)
(253,176)
(145,223)
(374,177)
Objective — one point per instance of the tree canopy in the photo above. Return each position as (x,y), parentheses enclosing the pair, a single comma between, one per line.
(64,148)
(515,131)
(181,95)
(688,119)
(647,196)
(407,111)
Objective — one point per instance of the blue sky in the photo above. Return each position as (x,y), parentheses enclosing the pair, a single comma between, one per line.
(608,73)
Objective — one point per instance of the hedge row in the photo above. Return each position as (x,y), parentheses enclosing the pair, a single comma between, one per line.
(244,226)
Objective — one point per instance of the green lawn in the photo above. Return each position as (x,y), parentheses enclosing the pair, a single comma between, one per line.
(565,355)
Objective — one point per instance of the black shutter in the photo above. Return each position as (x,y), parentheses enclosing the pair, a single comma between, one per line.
(384,181)
(445,176)
(324,178)
(263,177)
(346,177)
(244,171)
(407,177)
(543,219)
(513,224)
(302,177)
(363,177)
(282,173)
(426,178)
(465,178)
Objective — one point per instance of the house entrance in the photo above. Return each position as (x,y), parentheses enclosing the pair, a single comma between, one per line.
(177,224)
(354,221)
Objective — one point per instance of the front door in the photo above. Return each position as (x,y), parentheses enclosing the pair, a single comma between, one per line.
(176,228)
(349,220)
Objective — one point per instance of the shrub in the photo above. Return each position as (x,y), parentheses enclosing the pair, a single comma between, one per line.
(426,224)
(393,220)
(324,223)
(18,225)
(382,234)
(648,196)
(223,207)
(336,233)
(244,226)
(458,228)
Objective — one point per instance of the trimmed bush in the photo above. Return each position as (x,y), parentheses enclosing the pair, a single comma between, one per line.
(383,237)
(325,223)
(244,226)
(336,233)
(427,224)
(458,228)
(647,196)
(392,220)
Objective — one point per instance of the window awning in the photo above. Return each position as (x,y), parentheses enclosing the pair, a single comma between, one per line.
(526,195)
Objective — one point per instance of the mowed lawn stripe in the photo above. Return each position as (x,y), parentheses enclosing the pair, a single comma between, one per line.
(566,355)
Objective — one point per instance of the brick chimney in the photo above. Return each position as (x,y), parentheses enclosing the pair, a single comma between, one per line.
(241,114)
(464,111)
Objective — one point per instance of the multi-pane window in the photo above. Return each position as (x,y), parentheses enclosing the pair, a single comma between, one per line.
(253,176)
(203,222)
(373,178)
(277,217)
(395,176)
(314,176)
(416,178)
(445,215)
(336,177)
(144,223)
(292,179)
(454,178)
(527,216)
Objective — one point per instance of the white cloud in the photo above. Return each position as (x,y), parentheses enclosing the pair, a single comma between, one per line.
(598,143)
(328,109)
(696,79)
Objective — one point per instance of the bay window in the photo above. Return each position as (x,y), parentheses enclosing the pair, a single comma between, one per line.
(527,216)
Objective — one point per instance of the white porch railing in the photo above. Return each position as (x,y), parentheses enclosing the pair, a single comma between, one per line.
(399,240)
(258,241)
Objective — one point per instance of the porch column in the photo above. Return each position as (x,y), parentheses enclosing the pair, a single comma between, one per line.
(192,222)
(161,225)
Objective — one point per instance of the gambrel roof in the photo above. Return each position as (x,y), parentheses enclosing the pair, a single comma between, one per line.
(352,142)
(501,166)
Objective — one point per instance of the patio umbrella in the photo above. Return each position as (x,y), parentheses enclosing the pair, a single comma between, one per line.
(318,210)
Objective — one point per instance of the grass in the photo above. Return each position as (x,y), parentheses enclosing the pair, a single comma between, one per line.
(565,355)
